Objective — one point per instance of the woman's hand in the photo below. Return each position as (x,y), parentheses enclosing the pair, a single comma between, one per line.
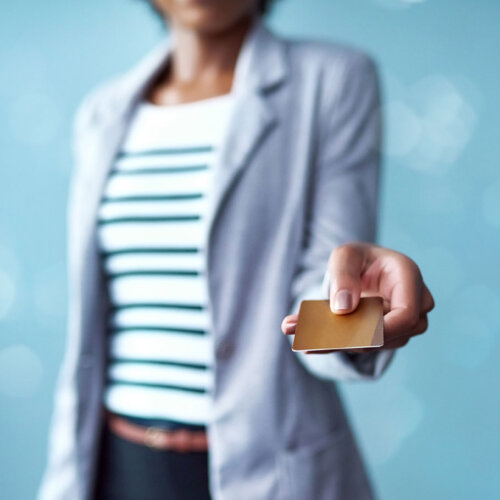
(362,269)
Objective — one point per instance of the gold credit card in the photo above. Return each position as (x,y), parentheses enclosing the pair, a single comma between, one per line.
(318,328)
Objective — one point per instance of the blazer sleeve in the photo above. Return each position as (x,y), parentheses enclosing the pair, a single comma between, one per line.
(344,202)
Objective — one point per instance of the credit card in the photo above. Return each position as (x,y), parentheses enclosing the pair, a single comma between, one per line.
(318,328)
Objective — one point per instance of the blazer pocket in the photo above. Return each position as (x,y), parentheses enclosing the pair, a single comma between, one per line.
(314,471)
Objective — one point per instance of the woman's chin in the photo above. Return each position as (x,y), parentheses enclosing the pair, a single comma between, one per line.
(209,17)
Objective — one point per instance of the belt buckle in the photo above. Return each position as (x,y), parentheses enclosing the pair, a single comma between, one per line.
(152,437)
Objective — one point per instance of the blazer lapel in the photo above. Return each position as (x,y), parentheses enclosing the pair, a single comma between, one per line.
(244,135)
(260,68)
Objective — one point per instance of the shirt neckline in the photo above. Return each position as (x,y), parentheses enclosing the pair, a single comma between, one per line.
(190,104)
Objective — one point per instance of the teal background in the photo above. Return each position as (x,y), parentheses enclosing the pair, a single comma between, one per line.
(430,427)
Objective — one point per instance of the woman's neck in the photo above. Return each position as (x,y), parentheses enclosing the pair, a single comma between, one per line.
(202,65)
(204,56)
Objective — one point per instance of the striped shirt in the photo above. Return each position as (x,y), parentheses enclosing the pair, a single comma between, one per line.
(151,231)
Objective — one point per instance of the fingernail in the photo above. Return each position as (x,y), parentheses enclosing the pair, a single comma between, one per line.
(290,327)
(343,300)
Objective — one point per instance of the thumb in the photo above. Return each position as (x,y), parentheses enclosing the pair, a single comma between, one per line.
(345,266)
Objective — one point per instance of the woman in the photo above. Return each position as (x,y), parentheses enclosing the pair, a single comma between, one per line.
(217,185)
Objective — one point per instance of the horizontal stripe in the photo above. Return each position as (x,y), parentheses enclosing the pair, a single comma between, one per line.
(153,261)
(162,347)
(152,208)
(152,198)
(155,362)
(158,170)
(170,318)
(149,220)
(140,287)
(158,403)
(160,374)
(137,235)
(162,161)
(158,184)
(189,307)
(156,273)
(128,251)
(164,152)
(158,329)
(160,386)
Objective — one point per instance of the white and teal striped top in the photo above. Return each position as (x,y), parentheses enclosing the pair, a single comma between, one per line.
(151,230)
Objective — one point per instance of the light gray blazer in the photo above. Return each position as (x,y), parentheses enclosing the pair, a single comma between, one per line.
(297,176)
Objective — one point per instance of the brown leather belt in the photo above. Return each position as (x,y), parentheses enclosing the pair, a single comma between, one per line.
(183,440)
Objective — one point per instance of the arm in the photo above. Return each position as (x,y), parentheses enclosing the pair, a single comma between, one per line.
(344,209)
(344,205)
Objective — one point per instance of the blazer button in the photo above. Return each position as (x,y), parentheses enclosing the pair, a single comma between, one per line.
(225,349)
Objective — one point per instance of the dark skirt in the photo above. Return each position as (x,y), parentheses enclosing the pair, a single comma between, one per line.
(129,471)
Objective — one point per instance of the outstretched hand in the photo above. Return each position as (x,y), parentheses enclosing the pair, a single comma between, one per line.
(363,269)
